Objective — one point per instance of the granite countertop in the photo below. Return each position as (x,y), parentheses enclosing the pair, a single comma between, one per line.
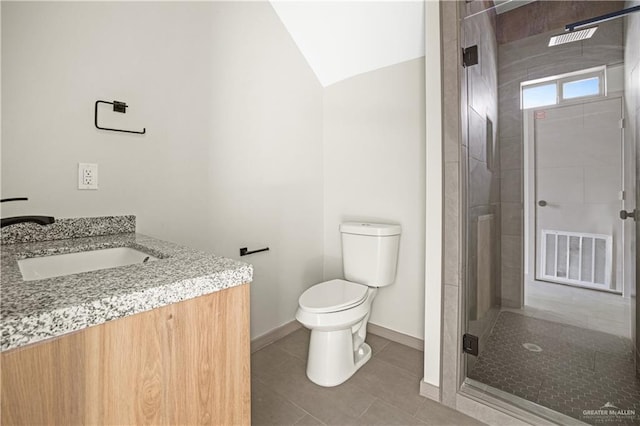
(32,311)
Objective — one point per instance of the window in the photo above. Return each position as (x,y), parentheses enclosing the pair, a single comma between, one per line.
(564,88)
(581,88)
(537,96)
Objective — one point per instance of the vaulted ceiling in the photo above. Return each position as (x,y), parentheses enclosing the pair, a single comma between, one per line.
(341,39)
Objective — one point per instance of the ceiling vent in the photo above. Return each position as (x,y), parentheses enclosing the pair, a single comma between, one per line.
(572,36)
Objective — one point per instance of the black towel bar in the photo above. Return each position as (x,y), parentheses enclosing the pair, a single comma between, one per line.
(244,251)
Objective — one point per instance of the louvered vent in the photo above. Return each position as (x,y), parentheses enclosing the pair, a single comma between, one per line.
(576,258)
(572,36)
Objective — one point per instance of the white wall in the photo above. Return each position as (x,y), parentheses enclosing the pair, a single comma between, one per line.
(374,170)
(233,151)
(233,154)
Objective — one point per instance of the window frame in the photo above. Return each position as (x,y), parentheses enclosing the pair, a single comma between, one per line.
(559,80)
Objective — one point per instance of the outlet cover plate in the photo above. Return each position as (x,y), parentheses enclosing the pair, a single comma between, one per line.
(87,176)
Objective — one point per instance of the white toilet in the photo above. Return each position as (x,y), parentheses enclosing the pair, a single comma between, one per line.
(337,311)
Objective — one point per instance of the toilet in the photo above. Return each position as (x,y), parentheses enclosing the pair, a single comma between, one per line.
(337,311)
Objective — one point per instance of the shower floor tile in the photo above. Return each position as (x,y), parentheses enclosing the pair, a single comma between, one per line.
(577,370)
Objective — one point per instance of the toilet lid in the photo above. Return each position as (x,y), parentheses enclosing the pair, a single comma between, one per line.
(333,296)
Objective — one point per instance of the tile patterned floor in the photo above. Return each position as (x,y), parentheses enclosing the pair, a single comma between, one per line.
(383,392)
(577,369)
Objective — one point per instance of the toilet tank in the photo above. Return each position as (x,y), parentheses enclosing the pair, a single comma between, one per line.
(370,252)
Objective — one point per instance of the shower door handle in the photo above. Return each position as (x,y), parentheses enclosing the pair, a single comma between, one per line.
(542,203)
(632,215)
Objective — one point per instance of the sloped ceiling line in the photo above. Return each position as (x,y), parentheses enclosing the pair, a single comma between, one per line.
(341,39)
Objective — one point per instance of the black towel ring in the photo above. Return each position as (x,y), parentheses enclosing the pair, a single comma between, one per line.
(117,107)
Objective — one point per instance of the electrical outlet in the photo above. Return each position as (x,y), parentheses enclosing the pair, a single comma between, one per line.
(87,176)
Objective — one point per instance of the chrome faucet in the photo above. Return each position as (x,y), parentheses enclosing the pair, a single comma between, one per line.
(40,220)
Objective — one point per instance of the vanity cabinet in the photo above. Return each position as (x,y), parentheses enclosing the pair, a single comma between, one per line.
(184,363)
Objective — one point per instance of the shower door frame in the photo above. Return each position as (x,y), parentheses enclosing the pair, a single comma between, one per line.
(467,395)
(454,390)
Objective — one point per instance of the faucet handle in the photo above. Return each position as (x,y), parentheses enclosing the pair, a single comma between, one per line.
(14,199)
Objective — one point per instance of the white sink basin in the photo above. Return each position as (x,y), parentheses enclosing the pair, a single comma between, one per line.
(38,268)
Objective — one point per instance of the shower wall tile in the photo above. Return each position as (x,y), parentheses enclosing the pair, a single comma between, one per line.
(511,286)
(450,351)
(463,186)
(607,44)
(511,219)
(509,55)
(451,103)
(535,71)
(497,236)
(479,183)
(451,259)
(453,150)
(512,251)
(449,16)
(510,119)
(537,51)
(474,212)
(510,153)
(509,89)
(511,186)
(511,294)
(477,136)
(481,97)
(494,190)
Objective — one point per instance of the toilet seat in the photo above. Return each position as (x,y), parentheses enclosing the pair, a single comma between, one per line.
(333,296)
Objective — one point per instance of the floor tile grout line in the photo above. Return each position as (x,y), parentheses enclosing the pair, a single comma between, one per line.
(274,391)
(304,411)
(379,349)
(310,415)
(375,398)
(389,402)
(293,355)
(397,366)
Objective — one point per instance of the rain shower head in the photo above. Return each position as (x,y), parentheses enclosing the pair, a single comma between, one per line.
(575,31)
(572,36)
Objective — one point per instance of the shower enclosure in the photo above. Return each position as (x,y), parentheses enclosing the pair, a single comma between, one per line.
(547,160)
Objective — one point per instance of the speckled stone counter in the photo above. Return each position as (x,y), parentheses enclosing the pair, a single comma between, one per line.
(65,228)
(32,311)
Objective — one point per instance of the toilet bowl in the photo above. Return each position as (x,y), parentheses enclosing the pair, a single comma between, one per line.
(337,311)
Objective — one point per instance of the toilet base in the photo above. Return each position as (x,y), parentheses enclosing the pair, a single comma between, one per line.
(332,359)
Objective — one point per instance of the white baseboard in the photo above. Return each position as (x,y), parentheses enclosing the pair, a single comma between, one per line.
(273,335)
(429,391)
(396,336)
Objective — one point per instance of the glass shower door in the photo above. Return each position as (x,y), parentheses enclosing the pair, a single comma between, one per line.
(481,167)
(532,356)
